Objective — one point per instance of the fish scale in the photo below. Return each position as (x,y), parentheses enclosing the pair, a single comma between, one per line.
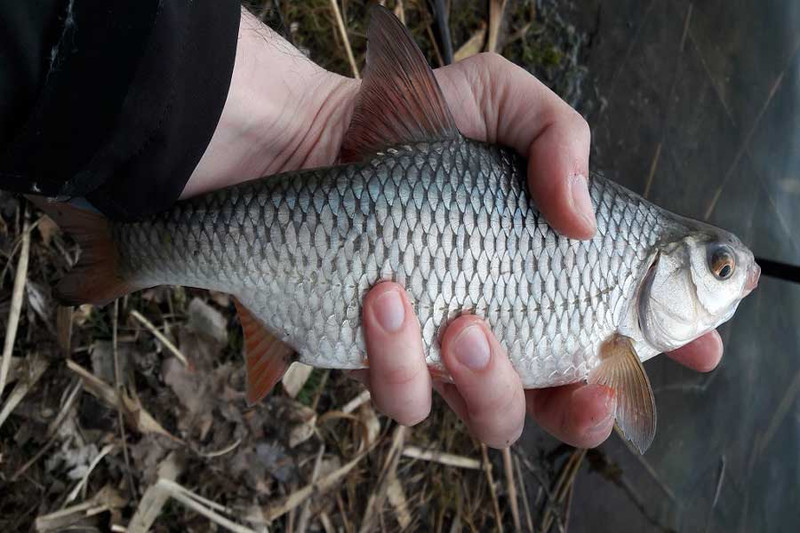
(449,220)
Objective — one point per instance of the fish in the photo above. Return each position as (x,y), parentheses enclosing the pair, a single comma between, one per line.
(450,218)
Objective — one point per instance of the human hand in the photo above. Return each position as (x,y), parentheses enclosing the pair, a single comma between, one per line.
(298,119)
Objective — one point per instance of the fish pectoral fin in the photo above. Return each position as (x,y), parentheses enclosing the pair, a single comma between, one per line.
(621,370)
(266,357)
(399,101)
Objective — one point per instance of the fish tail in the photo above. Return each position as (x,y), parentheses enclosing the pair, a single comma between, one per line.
(96,278)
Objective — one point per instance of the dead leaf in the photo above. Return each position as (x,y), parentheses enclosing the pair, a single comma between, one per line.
(47,228)
(473,46)
(305,423)
(294,378)
(207,321)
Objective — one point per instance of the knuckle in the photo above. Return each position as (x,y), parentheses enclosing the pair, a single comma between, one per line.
(500,421)
(580,126)
(399,375)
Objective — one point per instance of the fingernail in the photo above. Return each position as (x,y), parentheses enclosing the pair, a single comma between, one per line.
(581,201)
(471,348)
(390,311)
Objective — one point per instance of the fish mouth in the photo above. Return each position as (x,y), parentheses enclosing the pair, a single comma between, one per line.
(753,273)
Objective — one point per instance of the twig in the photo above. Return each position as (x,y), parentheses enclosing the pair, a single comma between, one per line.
(193,502)
(377,498)
(524,491)
(108,448)
(53,431)
(496,9)
(17,293)
(343,31)
(447,459)
(487,468)
(64,328)
(561,490)
(37,366)
(137,415)
(356,402)
(160,336)
(305,511)
(154,497)
(107,498)
(511,488)
(296,498)
(118,385)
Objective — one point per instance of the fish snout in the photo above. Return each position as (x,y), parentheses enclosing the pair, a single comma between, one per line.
(753,273)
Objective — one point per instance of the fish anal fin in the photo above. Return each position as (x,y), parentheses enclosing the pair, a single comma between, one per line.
(621,370)
(400,101)
(96,278)
(266,357)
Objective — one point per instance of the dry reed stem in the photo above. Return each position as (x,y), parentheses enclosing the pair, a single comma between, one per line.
(160,336)
(53,430)
(443,458)
(524,493)
(305,511)
(511,488)
(141,419)
(37,364)
(378,497)
(17,292)
(487,468)
(119,386)
(496,9)
(343,31)
(292,501)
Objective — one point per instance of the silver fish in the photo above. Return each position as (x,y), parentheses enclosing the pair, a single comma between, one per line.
(451,220)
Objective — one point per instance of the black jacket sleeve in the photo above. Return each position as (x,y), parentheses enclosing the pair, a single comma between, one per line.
(114,100)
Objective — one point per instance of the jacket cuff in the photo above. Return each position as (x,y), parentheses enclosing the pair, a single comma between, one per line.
(129,105)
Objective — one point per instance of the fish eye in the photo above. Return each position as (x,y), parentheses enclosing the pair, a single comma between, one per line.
(721,261)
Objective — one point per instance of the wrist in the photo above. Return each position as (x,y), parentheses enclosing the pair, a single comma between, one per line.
(282,112)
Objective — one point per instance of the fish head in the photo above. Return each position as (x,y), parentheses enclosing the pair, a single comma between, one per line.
(694,284)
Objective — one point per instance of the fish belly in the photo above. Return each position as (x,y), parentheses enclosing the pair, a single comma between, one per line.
(451,221)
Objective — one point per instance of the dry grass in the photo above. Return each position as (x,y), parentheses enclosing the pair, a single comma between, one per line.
(132,417)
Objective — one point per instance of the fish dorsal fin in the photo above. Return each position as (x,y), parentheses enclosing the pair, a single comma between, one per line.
(400,101)
(622,371)
(266,358)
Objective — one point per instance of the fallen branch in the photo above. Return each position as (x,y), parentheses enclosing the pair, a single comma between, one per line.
(447,459)
(17,293)
(160,336)
(37,364)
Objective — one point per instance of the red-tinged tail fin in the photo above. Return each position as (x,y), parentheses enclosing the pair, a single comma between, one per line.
(96,278)
(266,357)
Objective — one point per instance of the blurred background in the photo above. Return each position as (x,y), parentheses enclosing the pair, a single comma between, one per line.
(693,104)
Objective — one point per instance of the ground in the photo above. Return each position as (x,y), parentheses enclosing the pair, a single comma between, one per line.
(133,415)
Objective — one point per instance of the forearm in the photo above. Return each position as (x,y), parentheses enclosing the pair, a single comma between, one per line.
(283,112)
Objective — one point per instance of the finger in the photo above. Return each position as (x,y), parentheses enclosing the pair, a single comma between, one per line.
(486,392)
(703,354)
(580,415)
(502,103)
(398,375)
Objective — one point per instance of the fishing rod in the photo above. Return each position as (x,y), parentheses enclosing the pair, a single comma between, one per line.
(779,270)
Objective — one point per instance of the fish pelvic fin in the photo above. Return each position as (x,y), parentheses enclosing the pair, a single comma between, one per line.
(266,357)
(96,278)
(400,101)
(621,370)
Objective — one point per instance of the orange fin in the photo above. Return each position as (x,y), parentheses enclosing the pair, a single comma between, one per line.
(266,357)
(622,371)
(400,101)
(96,279)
